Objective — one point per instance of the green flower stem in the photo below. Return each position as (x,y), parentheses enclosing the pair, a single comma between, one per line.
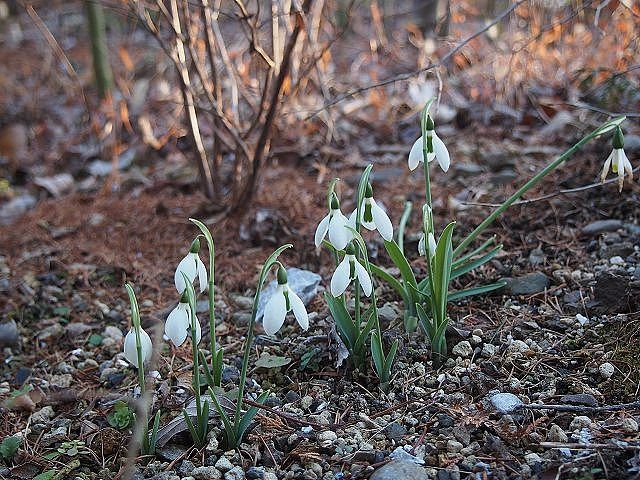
(272,260)
(216,369)
(605,127)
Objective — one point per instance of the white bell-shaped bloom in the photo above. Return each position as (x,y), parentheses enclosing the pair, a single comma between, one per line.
(432,245)
(348,270)
(130,350)
(283,301)
(334,223)
(372,216)
(435,149)
(192,267)
(178,325)
(617,161)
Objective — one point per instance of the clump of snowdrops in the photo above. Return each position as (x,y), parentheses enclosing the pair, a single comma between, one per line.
(425,300)
(183,325)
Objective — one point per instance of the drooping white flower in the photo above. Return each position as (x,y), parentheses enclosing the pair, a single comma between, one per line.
(192,267)
(178,324)
(348,270)
(435,149)
(617,161)
(130,350)
(372,216)
(283,301)
(335,224)
(432,245)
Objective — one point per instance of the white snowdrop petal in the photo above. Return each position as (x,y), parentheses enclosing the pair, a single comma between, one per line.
(147,346)
(188,266)
(369,225)
(274,313)
(177,325)
(321,230)
(432,244)
(364,279)
(442,153)
(338,233)
(607,166)
(382,221)
(421,247)
(627,165)
(299,310)
(130,352)
(198,331)
(202,273)
(340,279)
(415,155)
(352,219)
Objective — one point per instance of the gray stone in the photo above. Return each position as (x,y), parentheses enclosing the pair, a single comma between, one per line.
(326,438)
(400,469)
(171,453)
(224,464)
(16,207)
(43,415)
(206,473)
(579,422)
(462,349)
(606,370)
(529,284)
(556,434)
(9,334)
(505,402)
(394,431)
(601,226)
(236,473)
(580,399)
(303,282)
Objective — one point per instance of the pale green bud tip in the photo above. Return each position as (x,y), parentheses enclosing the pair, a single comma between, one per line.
(350,250)
(335,203)
(184,298)
(368,192)
(282,275)
(429,124)
(618,138)
(195,246)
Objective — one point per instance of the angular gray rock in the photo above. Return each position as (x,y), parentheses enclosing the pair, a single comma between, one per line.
(303,282)
(400,469)
(528,284)
(505,402)
(9,334)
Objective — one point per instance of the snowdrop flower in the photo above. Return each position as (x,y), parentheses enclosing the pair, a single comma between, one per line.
(432,245)
(130,351)
(617,160)
(372,216)
(282,302)
(435,149)
(192,266)
(178,324)
(427,225)
(348,270)
(335,224)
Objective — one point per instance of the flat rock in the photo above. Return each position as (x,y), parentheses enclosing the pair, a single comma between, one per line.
(601,226)
(303,282)
(9,334)
(529,284)
(580,399)
(400,469)
(505,402)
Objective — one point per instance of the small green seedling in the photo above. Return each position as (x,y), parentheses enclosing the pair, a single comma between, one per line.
(121,417)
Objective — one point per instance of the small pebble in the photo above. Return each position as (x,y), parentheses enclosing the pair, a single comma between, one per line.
(606,370)
(580,422)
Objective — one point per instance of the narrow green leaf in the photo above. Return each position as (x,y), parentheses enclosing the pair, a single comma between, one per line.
(344,323)
(474,252)
(467,292)
(388,363)
(403,224)
(377,354)
(391,280)
(472,265)
(194,434)
(204,420)
(427,323)
(154,433)
(226,422)
(247,418)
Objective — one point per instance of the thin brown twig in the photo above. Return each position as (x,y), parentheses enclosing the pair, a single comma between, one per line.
(582,408)
(405,76)
(291,418)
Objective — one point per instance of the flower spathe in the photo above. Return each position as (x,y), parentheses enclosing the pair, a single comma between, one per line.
(178,325)
(348,270)
(334,223)
(130,350)
(192,267)
(432,245)
(372,216)
(282,302)
(435,149)
(617,161)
